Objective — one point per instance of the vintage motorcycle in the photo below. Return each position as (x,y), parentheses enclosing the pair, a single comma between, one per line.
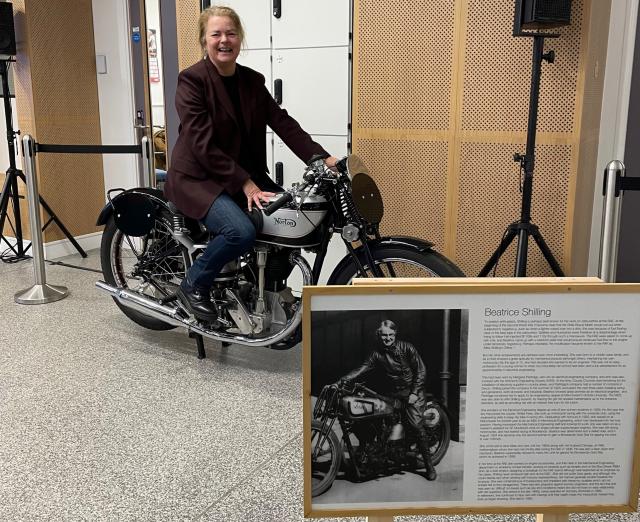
(147,245)
(373,435)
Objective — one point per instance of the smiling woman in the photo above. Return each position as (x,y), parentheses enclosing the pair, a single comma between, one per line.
(219,165)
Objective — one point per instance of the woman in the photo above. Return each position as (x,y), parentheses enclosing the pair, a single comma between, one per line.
(219,160)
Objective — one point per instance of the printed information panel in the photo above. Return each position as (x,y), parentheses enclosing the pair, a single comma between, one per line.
(526,398)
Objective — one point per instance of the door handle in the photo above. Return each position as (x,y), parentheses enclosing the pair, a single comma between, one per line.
(279,173)
(277,8)
(277,91)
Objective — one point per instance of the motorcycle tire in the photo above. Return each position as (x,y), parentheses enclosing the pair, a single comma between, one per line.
(439,432)
(405,262)
(117,263)
(320,485)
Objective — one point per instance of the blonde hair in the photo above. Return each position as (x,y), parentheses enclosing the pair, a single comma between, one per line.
(218,10)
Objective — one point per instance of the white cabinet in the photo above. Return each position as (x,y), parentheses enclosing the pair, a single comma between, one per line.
(258,60)
(255,16)
(293,167)
(311,23)
(315,87)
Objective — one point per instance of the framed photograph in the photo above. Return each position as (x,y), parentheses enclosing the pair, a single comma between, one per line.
(454,398)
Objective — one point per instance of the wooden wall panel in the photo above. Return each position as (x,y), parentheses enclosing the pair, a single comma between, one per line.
(407,208)
(488,72)
(57,102)
(489,199)
(189,50)
(393,91)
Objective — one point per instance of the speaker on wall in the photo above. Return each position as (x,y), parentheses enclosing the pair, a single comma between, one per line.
(543,14)
(7,32)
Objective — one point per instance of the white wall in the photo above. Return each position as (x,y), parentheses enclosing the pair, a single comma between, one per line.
(615,106)
(115,90)
(156,89)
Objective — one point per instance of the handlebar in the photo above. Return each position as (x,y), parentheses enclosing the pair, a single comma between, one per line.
(287,197)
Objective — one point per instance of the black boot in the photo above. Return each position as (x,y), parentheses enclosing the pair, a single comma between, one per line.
(197,302)
(431,473)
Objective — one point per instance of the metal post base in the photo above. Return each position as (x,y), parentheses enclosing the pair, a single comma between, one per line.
(41,294)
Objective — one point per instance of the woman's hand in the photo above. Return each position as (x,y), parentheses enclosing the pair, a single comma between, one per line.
(331,162)
(255,195)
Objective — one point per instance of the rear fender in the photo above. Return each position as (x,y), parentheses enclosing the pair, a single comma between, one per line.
(155,196)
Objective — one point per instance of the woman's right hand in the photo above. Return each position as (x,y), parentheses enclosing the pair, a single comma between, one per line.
(255,195)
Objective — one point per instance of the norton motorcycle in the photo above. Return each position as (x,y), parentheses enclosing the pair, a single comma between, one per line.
(147,246)
(374,441)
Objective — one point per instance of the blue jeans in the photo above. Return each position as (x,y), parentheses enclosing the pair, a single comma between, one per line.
(234,235)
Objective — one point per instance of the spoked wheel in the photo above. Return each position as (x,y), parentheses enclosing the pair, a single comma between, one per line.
(326,455)
(153,265)
(393,261)
(438,428)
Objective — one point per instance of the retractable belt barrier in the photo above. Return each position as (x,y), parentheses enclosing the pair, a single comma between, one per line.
(615,183)
(41,292)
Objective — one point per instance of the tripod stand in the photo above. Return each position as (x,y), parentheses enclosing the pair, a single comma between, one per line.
(10,187)
(524,228)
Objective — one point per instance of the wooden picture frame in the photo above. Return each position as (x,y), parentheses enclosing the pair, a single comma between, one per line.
(595,306)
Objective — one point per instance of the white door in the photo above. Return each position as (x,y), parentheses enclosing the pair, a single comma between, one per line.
(315,87)
(311,23)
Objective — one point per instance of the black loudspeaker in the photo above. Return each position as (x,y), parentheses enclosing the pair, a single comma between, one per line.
(7,32)
(543,14)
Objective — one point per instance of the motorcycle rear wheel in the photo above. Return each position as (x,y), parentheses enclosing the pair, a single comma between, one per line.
(158,255)
(325,465)
(405,262)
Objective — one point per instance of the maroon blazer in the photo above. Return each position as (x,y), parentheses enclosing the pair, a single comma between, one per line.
(204,161)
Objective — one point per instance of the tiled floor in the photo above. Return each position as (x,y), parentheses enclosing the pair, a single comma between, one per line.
(101,419)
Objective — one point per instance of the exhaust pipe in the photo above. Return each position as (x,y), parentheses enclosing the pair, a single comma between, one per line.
(172,314)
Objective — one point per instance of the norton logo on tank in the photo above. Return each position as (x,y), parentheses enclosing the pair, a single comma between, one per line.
(284,221)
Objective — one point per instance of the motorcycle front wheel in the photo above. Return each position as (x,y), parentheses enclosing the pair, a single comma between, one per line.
(397,261)
(153,265)
(438,427)
(326,456)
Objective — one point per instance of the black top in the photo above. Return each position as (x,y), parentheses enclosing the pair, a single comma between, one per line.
(245,160)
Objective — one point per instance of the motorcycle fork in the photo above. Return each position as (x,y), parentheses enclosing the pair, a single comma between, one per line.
(352,454)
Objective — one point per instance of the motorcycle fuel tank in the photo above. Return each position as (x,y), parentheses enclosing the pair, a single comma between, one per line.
(291,227)
(358,407)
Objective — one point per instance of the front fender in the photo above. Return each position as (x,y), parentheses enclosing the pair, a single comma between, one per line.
(154,194)
(413,243)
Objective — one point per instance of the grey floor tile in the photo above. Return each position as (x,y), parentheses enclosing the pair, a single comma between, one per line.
(101,419)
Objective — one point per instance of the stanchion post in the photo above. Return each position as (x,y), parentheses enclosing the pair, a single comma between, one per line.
(41,292)
(147,162)
(614,173)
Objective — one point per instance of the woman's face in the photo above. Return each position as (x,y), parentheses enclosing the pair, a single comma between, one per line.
(222,43)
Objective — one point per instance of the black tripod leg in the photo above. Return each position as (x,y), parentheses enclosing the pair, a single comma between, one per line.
(502,247)
(62,227)
(546,252)
(56,219)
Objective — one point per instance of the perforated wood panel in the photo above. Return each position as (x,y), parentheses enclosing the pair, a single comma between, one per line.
(65,104)
(57,102)
(189,50)
(497,72)
(478,108)
(418,208)
(404,63)
(489,199)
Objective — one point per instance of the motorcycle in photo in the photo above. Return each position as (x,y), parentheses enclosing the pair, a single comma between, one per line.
(147,246)
(369,436)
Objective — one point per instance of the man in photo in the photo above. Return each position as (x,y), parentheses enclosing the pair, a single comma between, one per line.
(406,373)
